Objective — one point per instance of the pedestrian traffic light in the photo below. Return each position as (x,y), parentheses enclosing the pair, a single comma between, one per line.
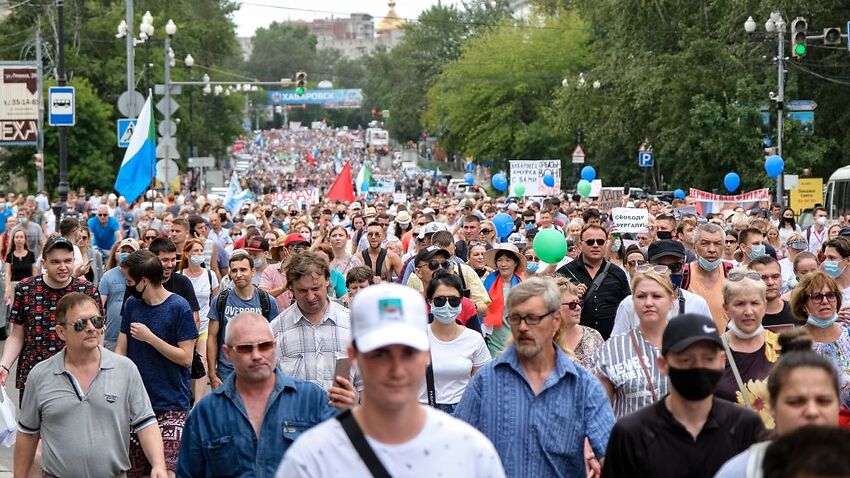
(798,37)
(300,83)
(832,36)
(580,136)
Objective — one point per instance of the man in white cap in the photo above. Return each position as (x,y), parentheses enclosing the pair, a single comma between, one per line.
(391,433)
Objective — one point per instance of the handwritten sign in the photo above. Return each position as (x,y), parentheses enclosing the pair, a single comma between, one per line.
(609,199)
(304,196)
(530,174)
(630,219)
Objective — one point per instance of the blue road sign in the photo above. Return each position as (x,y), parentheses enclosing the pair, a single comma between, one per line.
(645,160)
(61,106)
(125,131)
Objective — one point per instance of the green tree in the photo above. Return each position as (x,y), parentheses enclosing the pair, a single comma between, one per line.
(280,50)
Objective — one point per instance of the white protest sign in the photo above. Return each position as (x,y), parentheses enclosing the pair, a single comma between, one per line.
(530,174)
(400,198)
(629,219)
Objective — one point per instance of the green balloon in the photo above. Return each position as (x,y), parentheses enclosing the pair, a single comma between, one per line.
(550,246)
(583,188)
(519,190)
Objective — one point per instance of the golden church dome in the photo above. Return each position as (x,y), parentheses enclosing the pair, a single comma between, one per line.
(391,20)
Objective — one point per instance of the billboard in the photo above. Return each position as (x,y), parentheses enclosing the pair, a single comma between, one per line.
(345,99)
(18,104)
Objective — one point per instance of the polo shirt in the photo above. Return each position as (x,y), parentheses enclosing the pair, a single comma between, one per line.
(652,443)
(85,434)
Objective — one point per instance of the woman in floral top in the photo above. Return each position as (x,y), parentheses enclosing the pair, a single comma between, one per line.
(580,340)
(817,300)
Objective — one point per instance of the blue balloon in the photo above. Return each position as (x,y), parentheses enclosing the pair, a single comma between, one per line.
(470,167)
(549,180)
(588,173)
(774,165)
(679,194)
(732,181)
(504,224)
(500,182)
(469,178)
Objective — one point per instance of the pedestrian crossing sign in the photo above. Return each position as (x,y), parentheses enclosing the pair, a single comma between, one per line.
(125,131)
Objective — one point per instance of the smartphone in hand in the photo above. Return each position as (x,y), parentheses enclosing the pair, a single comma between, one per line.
(342,369)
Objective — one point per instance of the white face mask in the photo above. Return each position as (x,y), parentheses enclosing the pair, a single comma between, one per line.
(821,221)
(197,260)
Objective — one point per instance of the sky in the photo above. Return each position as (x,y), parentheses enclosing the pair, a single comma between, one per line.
(260,13)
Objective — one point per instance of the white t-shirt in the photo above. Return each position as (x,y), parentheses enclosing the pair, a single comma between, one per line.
(453,362)
(203,285)
(789,280)
(626,319)
(326,451)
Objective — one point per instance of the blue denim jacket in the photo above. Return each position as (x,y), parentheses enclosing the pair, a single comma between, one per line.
(538,435)
(218,439)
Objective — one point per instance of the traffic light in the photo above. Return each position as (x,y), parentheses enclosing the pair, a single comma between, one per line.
(580,136)
(300,83)
(832,36)
(798,37)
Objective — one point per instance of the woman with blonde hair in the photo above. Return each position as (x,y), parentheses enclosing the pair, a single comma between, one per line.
(580,340)
(614,363)
(488,232)
(772,238)
(751,350)
(794,244)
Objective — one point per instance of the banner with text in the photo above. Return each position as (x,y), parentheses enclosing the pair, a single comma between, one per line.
(18,103)
(308,196)
(530,174)
(708,203)
(630,219)
(344,99)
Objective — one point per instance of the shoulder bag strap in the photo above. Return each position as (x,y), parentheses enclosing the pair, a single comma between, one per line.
(646,374)
(429,384)
(597,281)
(358,440)
(681,302)
(735,372)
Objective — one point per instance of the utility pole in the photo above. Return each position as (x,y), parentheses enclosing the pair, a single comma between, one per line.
(131,61)
(63,130)
(780,108)
(40,147)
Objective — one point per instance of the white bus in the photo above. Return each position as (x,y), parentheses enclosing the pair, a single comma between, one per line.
(837,193)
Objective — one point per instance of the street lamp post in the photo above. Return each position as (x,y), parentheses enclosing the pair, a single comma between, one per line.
(170,30)
(775,24)
(190,62)
(63,130)
(146,30)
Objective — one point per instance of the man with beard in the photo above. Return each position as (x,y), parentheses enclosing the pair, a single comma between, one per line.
(535,403)
(689,432)
(384,263)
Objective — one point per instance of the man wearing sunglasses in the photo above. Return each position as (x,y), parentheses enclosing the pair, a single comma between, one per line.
(670,254)
(105,229)
(278,409)
(73,394)
(602,285)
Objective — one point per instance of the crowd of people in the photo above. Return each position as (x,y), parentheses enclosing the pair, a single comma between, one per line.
(188,336)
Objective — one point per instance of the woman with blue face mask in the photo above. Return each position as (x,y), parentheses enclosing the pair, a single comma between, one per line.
(816,302)
(836,258)
(457,352)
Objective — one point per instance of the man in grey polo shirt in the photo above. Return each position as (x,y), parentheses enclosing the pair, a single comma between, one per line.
(81,396)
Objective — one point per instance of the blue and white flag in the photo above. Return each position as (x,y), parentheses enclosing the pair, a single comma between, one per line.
(137,168)
(235,194)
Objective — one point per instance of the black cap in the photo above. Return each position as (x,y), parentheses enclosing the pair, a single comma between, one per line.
(55,242)
(687,329)
(664,248)
(429,252)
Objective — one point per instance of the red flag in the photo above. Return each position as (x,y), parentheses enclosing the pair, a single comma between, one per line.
(343,187)
(310,159)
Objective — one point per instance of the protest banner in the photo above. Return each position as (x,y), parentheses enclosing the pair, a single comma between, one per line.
(399,198)
(609,199)
(683,211)
(708,203)
(307,196)
(382,183)
(630,219)
(530,174)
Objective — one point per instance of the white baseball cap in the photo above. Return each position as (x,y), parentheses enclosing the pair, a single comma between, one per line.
(389,314)
(431,228)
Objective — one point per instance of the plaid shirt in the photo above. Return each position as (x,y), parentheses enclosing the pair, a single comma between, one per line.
(309,352)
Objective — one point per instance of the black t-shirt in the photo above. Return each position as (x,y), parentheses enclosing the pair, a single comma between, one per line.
(180,285)
(461,250)
(651,443)
(598,311)
(782,318)
(21,266)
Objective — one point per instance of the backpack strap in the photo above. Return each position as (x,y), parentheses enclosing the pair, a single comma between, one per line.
(686,276)
(220,303)
(379,264)
(265,303)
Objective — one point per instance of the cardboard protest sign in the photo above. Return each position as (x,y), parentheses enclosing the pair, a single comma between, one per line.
(630,219)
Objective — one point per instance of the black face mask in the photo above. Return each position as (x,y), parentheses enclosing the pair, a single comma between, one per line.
(269,213)
(664,235)
(136,292)
(223,217)
(694,383)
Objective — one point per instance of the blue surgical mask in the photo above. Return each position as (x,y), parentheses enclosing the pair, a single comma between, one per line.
(756,251)
(532,267)
(832,268)
(258,262)
(708,265)
(445,314)
(676,279)
(615,247)
(529,226)
(823,324)
(23,220)
(122,256)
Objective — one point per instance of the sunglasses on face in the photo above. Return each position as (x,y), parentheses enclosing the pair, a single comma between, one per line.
(248,348)
(573,305)
(434,264)
(819,297)
(102,215)
(441,301)
(529,319)
(530,258)
(486,231)
(739,276)
(80,324)
(636,263)
(150,238)
(598,242)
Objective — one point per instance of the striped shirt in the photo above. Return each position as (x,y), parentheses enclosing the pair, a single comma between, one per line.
(309,352)
(618,362)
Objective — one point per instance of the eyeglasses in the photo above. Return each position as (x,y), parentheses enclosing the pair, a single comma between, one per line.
(374,234)
(636,263)
(80,324)
(486,231)
(529,319)
(150,238)
(819,297)
(598,242)
(657,268)
(102,215)
(799,246)
(434,264)
(574,304)
(739,276)
(248,348)
(440,301)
